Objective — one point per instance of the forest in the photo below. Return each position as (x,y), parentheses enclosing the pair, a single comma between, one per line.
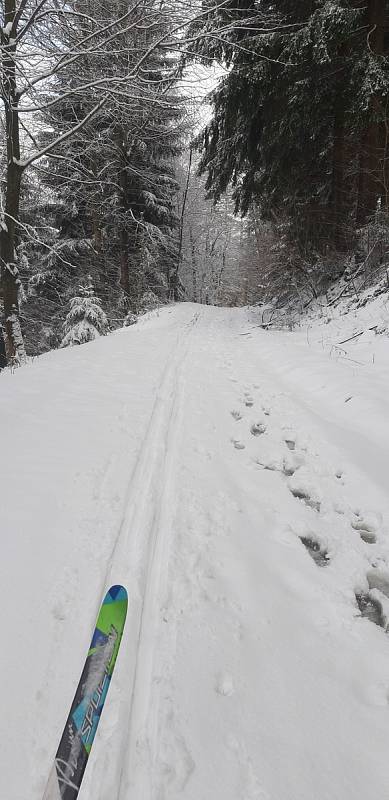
(225,153)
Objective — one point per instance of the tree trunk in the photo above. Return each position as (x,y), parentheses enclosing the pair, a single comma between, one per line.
(124,276)
(9,272)
(175,277)
(371,176)
(194,265)
(124,272)
(339,194)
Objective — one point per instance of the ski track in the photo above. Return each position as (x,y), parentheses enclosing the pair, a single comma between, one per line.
(252,535)
(141,551)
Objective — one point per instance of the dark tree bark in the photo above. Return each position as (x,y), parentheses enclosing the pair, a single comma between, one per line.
(194,265)
(174,281)
(124,271)
(124,277)
(9,271)
(371,167)
(342,151)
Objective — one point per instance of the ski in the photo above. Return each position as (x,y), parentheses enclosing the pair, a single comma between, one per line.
(74,748)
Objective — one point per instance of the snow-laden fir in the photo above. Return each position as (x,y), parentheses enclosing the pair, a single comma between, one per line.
(236,481)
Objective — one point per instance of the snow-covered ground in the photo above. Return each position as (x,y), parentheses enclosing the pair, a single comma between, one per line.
(188,457)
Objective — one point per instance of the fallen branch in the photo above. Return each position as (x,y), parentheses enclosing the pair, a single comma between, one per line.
(352,337)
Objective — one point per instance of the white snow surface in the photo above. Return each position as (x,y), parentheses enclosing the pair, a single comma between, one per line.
(186,457)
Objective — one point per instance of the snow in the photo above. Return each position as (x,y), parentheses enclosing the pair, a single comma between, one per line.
(222,473)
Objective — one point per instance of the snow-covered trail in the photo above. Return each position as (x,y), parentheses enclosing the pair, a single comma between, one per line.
(187,458)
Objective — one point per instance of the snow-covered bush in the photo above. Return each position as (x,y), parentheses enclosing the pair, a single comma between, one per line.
(86,319)
(131,319)
(149,301)
(382,328)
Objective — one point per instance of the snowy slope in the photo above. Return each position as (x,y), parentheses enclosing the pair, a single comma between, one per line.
(187,457)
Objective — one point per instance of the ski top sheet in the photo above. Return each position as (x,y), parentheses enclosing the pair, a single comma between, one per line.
(81,725)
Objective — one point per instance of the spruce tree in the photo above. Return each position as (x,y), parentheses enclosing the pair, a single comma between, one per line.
(296,121)
(117,188)
(86,319)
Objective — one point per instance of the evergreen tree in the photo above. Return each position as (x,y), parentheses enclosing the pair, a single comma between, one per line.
(117,187)
(298,120)
(105,134)
(86,319)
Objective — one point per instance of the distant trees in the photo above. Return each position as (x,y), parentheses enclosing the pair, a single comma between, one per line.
(299,125)
(211,243)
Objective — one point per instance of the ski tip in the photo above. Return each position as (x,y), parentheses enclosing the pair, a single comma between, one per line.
(116,593)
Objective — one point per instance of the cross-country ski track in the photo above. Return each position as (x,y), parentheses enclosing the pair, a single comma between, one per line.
(235,481)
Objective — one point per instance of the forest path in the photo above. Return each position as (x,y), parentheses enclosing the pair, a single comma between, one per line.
(198,460)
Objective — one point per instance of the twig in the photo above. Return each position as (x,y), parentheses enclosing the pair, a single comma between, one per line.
(352,337)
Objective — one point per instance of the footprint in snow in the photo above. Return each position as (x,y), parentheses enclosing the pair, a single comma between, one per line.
(292,462)
(236,415)
(258,428)
(272,464)
(374,604)
(289,437)
(367,525)
(238,444)
(248,400)
(269,455)
(306,494)
(369,608)
(319,555)
(303,489)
